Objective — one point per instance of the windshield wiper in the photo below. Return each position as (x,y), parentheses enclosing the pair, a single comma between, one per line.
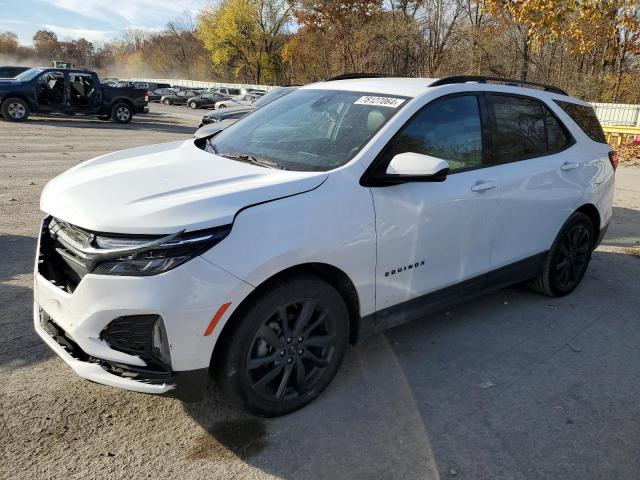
(253,160)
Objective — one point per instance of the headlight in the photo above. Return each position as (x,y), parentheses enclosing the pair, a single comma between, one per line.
(158,259)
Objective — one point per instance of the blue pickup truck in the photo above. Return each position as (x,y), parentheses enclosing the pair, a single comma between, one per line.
(56,91)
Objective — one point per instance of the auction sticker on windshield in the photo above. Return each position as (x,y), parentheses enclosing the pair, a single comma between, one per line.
(380,101)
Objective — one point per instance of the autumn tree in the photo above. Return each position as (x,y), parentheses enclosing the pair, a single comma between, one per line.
(46,44)
(247,36)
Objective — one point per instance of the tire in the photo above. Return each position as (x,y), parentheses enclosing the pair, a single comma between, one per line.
(15,109)
(166,101)
(260,349)
(193,105)
(121,113)
(568,258)
(222,106)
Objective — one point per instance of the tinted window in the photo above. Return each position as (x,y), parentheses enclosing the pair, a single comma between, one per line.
(586,119)
(556,137)
(524,128)
(449,129)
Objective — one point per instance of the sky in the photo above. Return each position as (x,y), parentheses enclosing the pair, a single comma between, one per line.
(95,20)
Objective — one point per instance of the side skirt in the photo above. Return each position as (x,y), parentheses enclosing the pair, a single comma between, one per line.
(418,307)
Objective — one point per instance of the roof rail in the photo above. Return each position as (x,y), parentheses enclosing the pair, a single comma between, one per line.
(503,81)
(348,76)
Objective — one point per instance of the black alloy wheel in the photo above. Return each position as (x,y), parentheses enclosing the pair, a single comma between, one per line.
(568,259)
(572,257)
(283,346)
(291,350)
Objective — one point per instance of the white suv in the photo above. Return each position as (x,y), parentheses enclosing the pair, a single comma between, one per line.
(337,211)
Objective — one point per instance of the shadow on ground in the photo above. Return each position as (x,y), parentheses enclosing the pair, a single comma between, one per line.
(150,121)
(624,229)
(19,344)
(511,385)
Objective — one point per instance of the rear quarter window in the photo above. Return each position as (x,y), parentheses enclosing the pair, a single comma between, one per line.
(586,119)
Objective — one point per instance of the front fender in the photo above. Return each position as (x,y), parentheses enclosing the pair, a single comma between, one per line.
(333,224)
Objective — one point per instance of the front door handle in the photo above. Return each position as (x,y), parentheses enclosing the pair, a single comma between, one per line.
(483,186)
(569,165)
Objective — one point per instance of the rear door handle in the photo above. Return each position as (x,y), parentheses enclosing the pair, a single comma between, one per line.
(569,165)
(483,186)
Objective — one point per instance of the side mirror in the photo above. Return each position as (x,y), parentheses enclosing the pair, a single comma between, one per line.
(416,167)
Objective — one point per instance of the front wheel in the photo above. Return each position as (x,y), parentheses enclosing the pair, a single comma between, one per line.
(222,106)
(568,258)
(121,113)
(193,105)
(15,109)
(284,347)
(166,101)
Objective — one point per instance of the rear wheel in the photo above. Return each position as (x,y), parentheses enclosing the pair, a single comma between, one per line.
(568,258)
(15,109)
(121,113)
(285,348)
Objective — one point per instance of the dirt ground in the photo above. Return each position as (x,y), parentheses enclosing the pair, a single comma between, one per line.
(513,385)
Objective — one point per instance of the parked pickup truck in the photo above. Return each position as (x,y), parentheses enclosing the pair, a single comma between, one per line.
(55,91)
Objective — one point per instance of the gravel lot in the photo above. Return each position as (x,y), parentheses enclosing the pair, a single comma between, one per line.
(510,386)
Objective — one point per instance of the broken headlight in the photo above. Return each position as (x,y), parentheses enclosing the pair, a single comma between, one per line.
(157,259)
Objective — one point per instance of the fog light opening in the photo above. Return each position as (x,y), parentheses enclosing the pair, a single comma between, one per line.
(161,343)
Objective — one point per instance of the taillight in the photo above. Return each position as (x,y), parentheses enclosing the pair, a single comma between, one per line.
(613,158)
(146,96)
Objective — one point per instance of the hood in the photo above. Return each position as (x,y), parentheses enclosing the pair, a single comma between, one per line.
(160,189)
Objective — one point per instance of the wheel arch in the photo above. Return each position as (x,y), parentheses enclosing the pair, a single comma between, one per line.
(337,278)
(591,211)
(117,100)
(19,95)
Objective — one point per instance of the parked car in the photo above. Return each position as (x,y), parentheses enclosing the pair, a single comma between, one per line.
(236,113)
(157,94)
(178,98)
(11,72)
(212,129)
(205,100)
(228,91)
(239,100)
(52,91)
(342,209)
(224,114)
(125,84)
(151,86)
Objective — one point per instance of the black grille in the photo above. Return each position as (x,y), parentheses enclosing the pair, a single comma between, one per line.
(58,264)
(132,335)
(151,374)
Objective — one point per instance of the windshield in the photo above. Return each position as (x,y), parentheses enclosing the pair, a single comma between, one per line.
(28,74)
(314,130)
(271,96)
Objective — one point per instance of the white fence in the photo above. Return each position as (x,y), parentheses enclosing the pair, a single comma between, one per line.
(198,84)
(618,114)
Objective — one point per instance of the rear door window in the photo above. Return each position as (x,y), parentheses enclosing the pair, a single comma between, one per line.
(586,119)
(525,128)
